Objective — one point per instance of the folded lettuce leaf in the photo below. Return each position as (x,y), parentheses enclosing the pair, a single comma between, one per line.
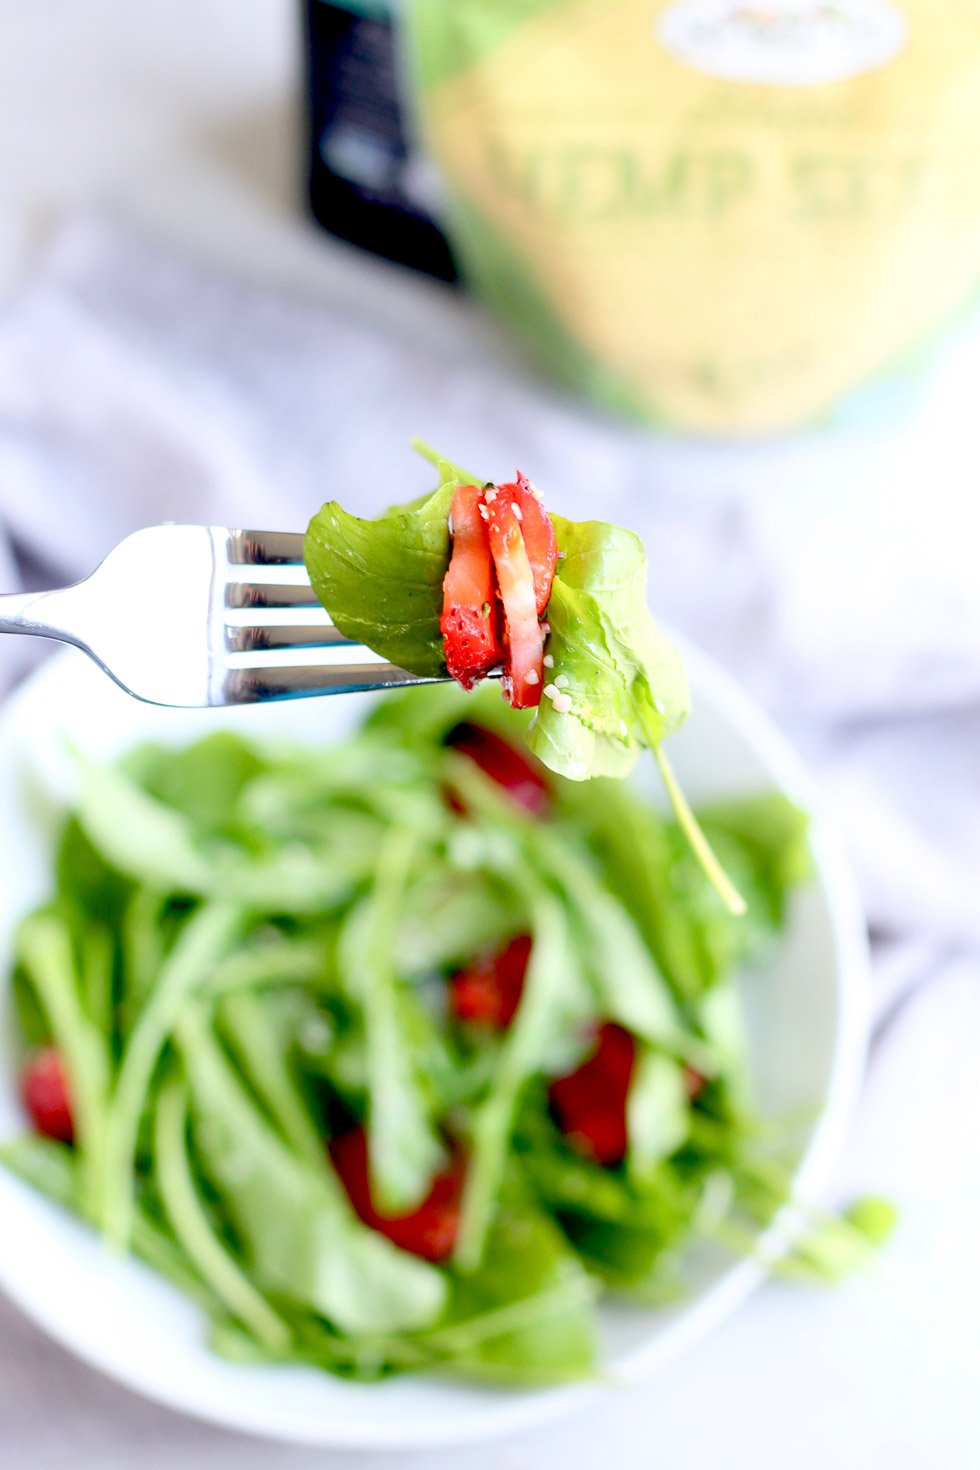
(381,580)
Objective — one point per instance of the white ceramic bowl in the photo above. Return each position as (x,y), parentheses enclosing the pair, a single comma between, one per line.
(806,1015)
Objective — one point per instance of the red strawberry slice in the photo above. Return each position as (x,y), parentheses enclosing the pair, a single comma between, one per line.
(589,1105)
(694,1082)
(46,1095)
(523,638)
(488,992)
(430,1230)
(539,537)
(514,771)
(470,617)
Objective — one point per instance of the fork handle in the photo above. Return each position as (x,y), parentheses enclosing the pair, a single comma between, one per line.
(13,607)
(18,614)
(24,612)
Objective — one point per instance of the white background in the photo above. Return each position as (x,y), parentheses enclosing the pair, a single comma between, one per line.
(182,116)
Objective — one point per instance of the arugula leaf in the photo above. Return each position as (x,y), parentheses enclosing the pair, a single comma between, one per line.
(381,580)
(204,781)
(625,680)
(620,1225)
(656,1112)
(137,834)
(194,1230)
(627,1258)
(205,940)
(832,1247)
(525,1316)
(166,851)
(46,957)
(404,1150)
(548,996)
(644,856)
(415,718)
(298,1231)
(251,1027)
(450,916)
(85,881)
(626,981)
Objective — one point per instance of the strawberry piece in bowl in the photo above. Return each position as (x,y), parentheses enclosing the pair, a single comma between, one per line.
(515,771)
(430,1230)
(589,1105)
(46,1094)
(488,992)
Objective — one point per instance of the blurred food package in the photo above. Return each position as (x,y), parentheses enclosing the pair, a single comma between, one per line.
(717,216)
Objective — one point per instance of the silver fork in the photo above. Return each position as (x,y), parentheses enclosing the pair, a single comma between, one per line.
(204,615)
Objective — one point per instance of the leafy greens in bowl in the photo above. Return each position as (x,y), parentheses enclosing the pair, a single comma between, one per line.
(266,950)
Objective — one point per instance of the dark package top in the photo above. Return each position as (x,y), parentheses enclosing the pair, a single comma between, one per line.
(367,183)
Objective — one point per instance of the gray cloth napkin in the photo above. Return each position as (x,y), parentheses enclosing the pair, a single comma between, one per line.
(835,574)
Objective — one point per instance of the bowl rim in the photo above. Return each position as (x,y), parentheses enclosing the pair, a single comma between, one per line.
(510,1411)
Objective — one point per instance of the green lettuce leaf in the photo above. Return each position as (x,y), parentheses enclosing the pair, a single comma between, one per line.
(624,679)
(696,940)
(298,1234)
(403,1143)
(526,1314)
(381,580)
(657,1112)
(167,851)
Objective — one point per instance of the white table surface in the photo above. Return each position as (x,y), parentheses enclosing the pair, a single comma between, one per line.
(182,116)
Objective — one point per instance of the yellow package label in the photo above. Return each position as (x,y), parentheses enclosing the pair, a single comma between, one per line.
(736,212)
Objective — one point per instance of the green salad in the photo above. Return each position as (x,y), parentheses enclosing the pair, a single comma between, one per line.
(396,1055)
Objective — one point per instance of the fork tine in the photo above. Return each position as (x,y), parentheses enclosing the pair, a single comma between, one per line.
(264,548)
(291,681)
(270,594)
(251,637)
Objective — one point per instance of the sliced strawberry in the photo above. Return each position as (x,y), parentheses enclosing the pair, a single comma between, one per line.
(470,616)
(589,1105)
(430,1230)
(694,1081)
(488,992)
(516,772)
(46,1095)
(523,638)
(539,537)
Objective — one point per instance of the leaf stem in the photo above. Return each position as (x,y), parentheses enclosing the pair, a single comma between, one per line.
(441,462)
(699,844)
